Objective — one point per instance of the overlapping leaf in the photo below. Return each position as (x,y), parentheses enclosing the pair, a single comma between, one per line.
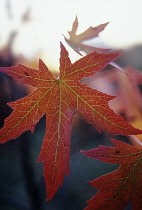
(124,184)
(76,41)
(59,99)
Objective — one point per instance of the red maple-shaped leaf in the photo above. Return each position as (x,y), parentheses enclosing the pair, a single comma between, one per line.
(124,184)
(59,99)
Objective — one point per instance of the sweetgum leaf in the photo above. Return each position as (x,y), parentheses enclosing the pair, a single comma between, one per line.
(60,99)
(117,188)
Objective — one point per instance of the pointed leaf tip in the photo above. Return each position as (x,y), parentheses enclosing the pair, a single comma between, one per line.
(61,44)
(63,51)
(62,47)
(40,61)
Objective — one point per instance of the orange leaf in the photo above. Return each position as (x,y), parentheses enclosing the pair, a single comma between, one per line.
(124,184)
(60,99)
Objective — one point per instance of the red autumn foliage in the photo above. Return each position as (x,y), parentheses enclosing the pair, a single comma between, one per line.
(117,188)
(60,99)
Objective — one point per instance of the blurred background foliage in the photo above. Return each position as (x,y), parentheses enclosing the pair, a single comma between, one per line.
(21,180)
